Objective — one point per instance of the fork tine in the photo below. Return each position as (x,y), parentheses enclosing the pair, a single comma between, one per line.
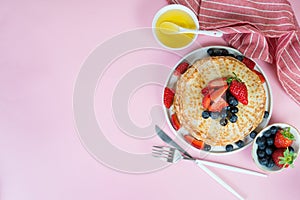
(162,153)
(158,149)
(163,148)
(163,157)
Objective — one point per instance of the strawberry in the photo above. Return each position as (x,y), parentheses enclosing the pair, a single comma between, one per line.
(219,82)
(168,97)
(283,138)
(206,101)
(283,158)
(261,77)
(194,142)
(175,122)
(181,68)
(249,63)
(205,91)
(238,89)
(218,105)
(218,93)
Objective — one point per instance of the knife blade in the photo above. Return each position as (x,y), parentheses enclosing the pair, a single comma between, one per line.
(169,141)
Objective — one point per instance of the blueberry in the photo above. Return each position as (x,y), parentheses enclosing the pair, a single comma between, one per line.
(207,147)
(260,140)
(270,163)
(210,52)
(239,57)
(253,134)
(261,147)
(240,143)
(232,101)
(223,113)
(270,141)
(233,118)
(227,108)
(273,130)
(260,153)
(263,161)
(217,52)
(223,52)
(269,151)
(228,94)
(214,115)
(223,122)
(267,133)
(231,55)
(266,115)
(291,149)
(234,109)
(205,114)
(229,147)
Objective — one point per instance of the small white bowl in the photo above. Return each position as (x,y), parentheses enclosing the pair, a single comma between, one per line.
(169,8)
(295,146)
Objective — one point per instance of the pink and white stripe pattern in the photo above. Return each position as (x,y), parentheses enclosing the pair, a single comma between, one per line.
(262,29)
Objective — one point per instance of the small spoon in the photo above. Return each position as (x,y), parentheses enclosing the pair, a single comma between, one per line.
(171,28)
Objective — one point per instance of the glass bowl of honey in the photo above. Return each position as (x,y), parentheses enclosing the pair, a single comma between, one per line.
(183,17)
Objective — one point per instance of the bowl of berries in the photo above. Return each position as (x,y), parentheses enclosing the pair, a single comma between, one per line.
(276,147)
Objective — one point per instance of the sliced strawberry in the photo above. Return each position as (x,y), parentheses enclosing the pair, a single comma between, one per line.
(205,91)
(181,68)
(175,122)
(194,142)
(219,82)
(206,101)
(168,97)
(218,105)
(218,93)
(249,63)
(261,77)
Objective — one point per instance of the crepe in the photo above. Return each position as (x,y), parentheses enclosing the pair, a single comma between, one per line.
(188,101)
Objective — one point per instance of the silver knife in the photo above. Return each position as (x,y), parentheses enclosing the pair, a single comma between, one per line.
(169,141)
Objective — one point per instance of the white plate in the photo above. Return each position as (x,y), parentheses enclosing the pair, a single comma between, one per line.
(202,53)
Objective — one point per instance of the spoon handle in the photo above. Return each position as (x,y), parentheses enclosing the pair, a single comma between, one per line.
(209,33)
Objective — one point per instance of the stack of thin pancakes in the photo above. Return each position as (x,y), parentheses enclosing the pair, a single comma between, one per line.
(188,101)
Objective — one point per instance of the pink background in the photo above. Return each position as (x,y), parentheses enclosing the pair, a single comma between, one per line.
(42,46)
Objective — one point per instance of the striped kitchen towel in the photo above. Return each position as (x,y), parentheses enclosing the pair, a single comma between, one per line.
(263,29)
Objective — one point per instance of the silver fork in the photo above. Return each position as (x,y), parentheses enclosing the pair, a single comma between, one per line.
(172,155)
